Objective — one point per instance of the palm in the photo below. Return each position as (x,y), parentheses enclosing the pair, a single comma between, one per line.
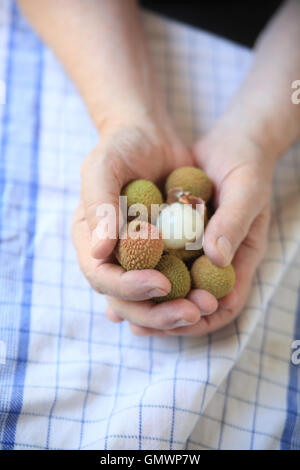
(242,202)
(242,213)
(118,159)
(239,185)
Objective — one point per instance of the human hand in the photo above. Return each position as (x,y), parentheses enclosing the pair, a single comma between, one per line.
(238,230)
(124,153)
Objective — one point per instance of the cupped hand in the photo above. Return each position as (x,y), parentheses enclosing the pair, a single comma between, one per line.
(238,230)
(124,153)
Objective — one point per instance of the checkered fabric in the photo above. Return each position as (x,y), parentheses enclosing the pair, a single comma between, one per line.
(70,379)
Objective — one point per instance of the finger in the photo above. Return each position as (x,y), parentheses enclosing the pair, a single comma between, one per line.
(144,331)
(247,259)
(111,279)
(162,316)
(102,179)
(245,263)
(222,316)
(112,316)
(205,301)
(239,204)
(229,301)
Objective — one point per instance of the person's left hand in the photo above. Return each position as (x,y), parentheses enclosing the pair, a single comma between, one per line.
(138,149)
(238,230)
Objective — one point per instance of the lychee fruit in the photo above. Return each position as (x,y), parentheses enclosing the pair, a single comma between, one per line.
(192,180)
(214,279)
(177,273)
(143,192)
(140,246)
(180,225)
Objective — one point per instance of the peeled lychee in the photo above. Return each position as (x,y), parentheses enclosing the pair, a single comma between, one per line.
(179,225)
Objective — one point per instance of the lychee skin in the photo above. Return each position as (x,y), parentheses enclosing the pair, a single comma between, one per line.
(177,273)
(144,192)
(142,248)
(214,279)
(192,180)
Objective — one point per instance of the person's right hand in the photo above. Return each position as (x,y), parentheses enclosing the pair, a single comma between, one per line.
(125,153)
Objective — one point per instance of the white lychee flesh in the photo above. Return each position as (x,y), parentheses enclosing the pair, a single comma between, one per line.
(180,224)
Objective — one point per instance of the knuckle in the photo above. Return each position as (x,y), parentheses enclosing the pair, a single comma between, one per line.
(89,161)
(240,234)
(91,278)
(116,168)
(136,330)
(240,225)
(164,322)
(255,249)
(109,314)
(84,166)
(113,316)
(129,293)
(91,214)
(129,290)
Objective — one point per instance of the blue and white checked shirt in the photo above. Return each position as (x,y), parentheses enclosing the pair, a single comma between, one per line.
(73,380)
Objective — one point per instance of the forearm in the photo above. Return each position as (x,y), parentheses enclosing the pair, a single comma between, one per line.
(262,108)
(102,46)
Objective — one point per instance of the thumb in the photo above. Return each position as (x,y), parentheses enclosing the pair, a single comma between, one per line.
(101,183)
(238,207)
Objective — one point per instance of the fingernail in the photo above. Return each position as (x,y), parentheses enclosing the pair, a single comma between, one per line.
(206,314)
(156,293)
(225,248)
(199,305)
(184,323)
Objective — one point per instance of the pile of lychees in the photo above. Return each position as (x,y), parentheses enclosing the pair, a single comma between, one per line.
(168,235)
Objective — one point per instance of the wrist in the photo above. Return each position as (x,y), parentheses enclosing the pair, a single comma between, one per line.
(226,148)
(255,136)
(151,119)
(126,103)
(271,130)
(125,113)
